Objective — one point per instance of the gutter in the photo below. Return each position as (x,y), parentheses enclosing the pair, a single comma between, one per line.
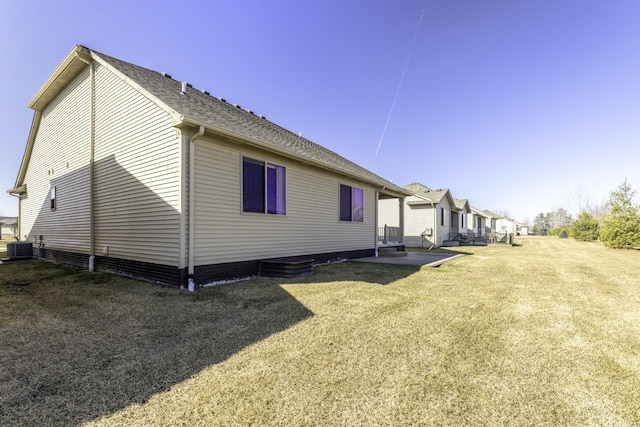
(92,225)
(192,203)
(435,225)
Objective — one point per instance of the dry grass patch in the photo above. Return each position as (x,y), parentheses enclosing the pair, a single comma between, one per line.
(543,334)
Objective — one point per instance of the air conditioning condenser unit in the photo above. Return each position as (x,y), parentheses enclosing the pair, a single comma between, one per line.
(19,250)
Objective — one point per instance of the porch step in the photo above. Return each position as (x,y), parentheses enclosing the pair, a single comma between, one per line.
(391,252)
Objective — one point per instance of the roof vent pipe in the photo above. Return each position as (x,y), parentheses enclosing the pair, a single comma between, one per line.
(184,88)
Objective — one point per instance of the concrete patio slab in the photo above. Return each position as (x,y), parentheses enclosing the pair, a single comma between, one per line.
(419,259)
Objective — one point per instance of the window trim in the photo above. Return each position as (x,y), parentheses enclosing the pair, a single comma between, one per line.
(355,201)
(272,175)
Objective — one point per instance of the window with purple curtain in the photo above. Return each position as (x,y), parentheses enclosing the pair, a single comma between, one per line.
(351,204)
(263,187)
(357,204)
(276,198)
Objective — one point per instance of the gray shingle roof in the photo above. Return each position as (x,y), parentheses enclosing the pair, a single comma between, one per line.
(6,220)
(461,204)
(491,214)
(423,190)
(204,108)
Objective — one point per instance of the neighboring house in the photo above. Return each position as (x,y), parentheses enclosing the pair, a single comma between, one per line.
(523,229)
(506,225)
(491,222)
(460,224)
(478,222)
(427,215)
(8,228)
(128,170)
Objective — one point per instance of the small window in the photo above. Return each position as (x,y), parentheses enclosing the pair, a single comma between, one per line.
(52,196)
(263,187)
(442,216)
(351,204)
(461,220)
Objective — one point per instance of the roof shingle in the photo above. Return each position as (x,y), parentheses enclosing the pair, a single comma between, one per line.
(200,107)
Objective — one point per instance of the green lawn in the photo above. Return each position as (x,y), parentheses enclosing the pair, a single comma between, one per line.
(547,333)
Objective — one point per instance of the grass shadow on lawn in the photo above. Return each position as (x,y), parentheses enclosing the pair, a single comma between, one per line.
(75,345)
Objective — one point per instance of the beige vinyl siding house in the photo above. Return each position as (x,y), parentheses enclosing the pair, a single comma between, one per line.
(58,173)
(478,222)
(427,215)
(460,225)
(491,222)
(507,225)
(418,225)
(137,174)
(128,170)
(309,226)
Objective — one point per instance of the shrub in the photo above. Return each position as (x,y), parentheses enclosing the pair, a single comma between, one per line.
(621,228)
(620,231)
(585,227)
(556,231)
(563,233)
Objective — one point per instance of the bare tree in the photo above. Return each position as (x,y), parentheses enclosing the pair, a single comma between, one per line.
(559,218)
(580,202)
(502,212)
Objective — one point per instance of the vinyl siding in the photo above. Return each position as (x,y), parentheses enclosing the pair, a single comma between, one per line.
(60,158)
(225,234)
(389,213)
(137,175)
(418,218)
(443,230)
(473,224)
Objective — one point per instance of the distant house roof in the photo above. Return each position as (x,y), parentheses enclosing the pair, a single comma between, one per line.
(462,205)
(491,214)
(8,225)
(198,108)
(478,212)
(435,195)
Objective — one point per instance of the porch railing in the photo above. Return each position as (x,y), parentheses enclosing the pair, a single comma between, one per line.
(467,236)
(500,237)
(389,234)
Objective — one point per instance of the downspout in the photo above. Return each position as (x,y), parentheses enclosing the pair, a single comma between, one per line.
(401,219)
(435,225)
(376,223)
(92,253)
(192,203)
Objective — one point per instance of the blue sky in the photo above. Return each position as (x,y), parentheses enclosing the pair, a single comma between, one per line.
(516,105)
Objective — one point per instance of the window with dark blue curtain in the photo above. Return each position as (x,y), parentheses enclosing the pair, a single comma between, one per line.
(345,203)
(252,185)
